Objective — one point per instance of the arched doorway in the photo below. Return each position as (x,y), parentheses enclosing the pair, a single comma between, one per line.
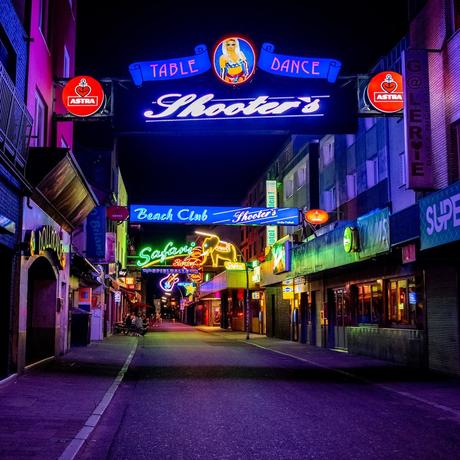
(41,311)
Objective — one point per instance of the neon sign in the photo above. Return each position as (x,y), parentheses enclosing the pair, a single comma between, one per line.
(163,271)
(297,67)
(212,215)
(148,256)
(235,266)
(171,69)
(186,263)
(188,286)
(168,282)
(83,96)
(216,249)
(234,60)
(46,239)
(281,256)
(385,92)
(187,107)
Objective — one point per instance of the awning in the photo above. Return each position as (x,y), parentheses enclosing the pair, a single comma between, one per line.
(87,273)
(61,187)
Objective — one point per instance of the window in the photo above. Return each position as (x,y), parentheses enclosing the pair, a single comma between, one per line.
(372,172)
(38,129)
(329,199)
(404,309)
(402,169)
(456,14)
(288,188)
(351,186)
(7,55)
(299,177)
(327,152)
(370,303)
(453,157)
(66,67)
(43,18)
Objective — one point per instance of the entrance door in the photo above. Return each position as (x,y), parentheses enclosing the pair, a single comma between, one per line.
(341,317)
(303,317)
(295,325)
(311,319)
(41,311)
(273,321)
(5,305)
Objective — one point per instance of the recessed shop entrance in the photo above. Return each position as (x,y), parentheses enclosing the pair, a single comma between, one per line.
(41,311)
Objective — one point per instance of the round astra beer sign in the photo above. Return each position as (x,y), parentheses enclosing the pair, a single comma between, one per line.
(83,96)
(385,92)
(234,60)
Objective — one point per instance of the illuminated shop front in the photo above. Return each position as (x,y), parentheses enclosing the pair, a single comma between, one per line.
(364,297)
(224,295)
(43,325)
(60,202)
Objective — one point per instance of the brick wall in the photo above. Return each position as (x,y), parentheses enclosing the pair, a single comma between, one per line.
(15,32)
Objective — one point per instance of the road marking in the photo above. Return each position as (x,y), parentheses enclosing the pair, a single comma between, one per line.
(78,441)
(455,413)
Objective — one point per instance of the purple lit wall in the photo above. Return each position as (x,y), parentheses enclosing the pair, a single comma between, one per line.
(46,60)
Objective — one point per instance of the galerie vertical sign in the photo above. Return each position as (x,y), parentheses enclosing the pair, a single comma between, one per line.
(417,120)
(272,202)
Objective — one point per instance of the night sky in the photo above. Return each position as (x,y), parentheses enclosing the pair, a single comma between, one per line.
(181,168)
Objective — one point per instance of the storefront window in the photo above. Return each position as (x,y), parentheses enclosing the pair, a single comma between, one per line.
(404,308)
(370,303)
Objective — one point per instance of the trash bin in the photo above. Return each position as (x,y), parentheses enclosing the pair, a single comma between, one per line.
(80,332)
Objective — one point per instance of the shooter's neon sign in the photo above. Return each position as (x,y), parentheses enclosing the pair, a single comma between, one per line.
(178,107)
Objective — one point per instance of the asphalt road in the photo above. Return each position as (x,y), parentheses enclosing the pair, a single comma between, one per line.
(194,395)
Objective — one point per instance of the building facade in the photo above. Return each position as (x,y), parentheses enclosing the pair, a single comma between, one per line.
(15,129)
(380,278)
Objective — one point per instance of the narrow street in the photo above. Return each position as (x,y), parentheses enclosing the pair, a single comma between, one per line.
(191,394)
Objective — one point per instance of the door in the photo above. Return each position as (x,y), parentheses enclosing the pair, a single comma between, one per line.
(303,317)
(311,319)
(341,317)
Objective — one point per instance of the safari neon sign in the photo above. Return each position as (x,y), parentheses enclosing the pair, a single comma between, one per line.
(149,256)
(188,107)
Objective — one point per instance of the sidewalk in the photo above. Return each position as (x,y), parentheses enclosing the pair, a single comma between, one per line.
(428,387)
(44,409)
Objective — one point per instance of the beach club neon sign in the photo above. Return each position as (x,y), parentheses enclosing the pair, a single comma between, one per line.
(211,215)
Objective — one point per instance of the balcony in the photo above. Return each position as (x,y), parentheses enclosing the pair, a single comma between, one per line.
(15,124)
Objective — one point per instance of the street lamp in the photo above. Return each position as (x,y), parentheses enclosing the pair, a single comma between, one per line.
(246,297)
